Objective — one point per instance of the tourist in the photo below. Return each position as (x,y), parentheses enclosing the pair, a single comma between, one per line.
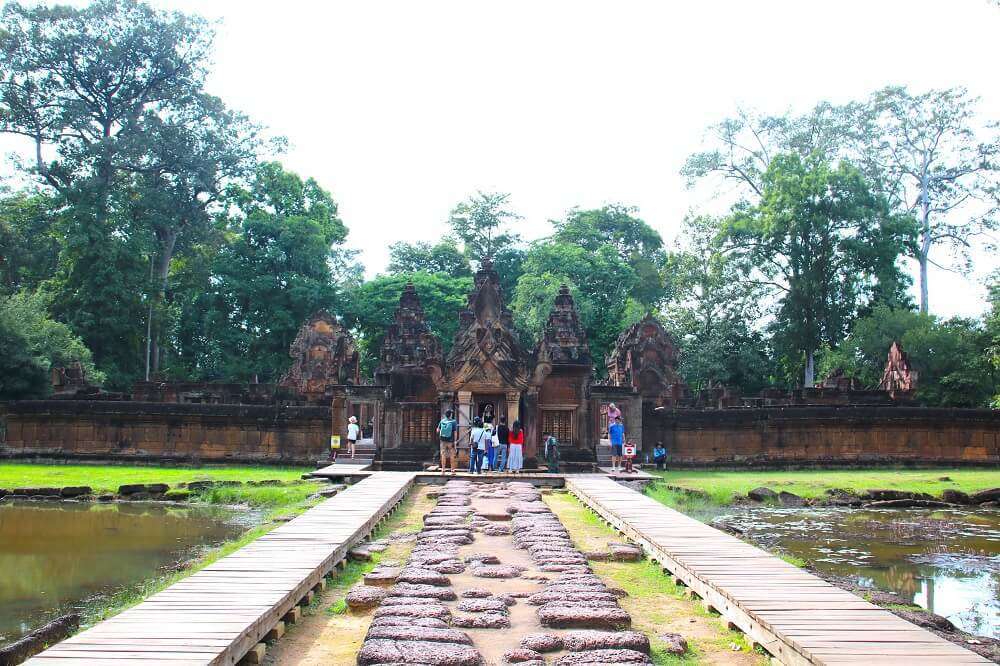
(502,440)
(446,436)
(613,413)
(515,453)
(489,456)
(552,453)
(353,431)
(616,432)
(660,456)
(477,446)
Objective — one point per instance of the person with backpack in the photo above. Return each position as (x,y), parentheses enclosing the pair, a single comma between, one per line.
(477,446)
(446,436)
(353,433)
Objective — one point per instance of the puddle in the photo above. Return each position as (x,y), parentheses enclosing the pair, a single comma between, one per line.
(944,560)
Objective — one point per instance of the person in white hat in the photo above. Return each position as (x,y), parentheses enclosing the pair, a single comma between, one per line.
(353,432)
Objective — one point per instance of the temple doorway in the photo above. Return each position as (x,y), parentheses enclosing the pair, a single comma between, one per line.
(490,407)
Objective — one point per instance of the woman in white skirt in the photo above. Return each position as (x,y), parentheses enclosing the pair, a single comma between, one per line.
(515,448)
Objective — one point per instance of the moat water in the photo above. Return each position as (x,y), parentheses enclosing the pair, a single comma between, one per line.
(61,557)
(946,561)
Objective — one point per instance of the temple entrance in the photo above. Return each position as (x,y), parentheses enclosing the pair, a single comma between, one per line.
(490,407)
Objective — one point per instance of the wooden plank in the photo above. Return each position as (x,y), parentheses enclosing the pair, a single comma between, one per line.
(799,618)
(216,615)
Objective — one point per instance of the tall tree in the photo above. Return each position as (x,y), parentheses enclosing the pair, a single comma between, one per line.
(824,242)
(29,245)
(935,161)
(275,270)
(482,223)
(441,257)
(78,83)
(637,244)
(182,164)
(715,314)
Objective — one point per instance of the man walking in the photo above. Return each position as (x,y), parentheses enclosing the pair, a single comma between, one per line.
(616,432)
(446,436)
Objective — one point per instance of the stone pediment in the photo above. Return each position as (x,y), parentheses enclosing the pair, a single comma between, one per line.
(323,353)
(409,345)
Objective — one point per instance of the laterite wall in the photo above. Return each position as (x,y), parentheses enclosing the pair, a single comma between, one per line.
(827,435)
(102,429)
(765,436)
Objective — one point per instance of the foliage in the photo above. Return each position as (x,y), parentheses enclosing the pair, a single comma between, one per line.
(950,356)
(602,283)
(50,343)
(441,257)
(272,272)
(992,324)
(369,309)
(715,315)
(29,246)
(482,223)
(21,375)
(825,243)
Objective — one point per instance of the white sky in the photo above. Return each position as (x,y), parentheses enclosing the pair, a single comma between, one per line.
(402,109)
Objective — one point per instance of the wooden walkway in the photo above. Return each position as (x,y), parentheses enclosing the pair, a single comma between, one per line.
(218,614)
(797,617)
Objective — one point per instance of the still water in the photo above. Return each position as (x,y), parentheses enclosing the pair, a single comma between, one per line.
(56,557)
(947,561)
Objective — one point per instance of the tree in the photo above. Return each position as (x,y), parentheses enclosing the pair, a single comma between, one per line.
(274,270)
(79,83)
(182,164)
(29,246)
(934,164)
(481,222)
(369,309)
(715,314)
(992,329)
(50,343)
(824,243)
(21,376)
(603,286)
(637,244)
(740,149)
(441,257)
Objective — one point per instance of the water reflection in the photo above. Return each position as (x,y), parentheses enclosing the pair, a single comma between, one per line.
(947,561)
(58,556)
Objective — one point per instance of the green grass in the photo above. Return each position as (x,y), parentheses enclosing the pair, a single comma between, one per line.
(721,486)
(107,478)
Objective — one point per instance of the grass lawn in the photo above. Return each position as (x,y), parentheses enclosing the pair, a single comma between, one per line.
(107,478)
(723,485)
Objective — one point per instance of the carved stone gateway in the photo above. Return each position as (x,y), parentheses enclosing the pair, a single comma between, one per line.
(323,355)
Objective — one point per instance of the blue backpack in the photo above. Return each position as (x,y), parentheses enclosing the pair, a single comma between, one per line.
(447,427)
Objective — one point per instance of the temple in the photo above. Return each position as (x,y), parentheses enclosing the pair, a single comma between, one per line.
(553,386)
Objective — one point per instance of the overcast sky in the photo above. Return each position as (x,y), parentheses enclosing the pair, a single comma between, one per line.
(402,109)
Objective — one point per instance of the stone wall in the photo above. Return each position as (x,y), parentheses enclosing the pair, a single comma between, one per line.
(256,433)
(828,434)
(141,430)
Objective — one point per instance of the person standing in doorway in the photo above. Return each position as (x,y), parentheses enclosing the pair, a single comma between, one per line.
(616,432)
(353,433)
(613,413)
(490,453)
(503,440)
(446,436)
(515,453)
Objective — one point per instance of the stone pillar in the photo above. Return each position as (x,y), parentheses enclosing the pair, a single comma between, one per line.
(513,407)
(530,423)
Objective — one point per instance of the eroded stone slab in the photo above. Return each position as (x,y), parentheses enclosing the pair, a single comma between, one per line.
(384,651)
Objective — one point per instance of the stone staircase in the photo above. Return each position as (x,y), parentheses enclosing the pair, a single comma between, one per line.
(364,454)
(406,458)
